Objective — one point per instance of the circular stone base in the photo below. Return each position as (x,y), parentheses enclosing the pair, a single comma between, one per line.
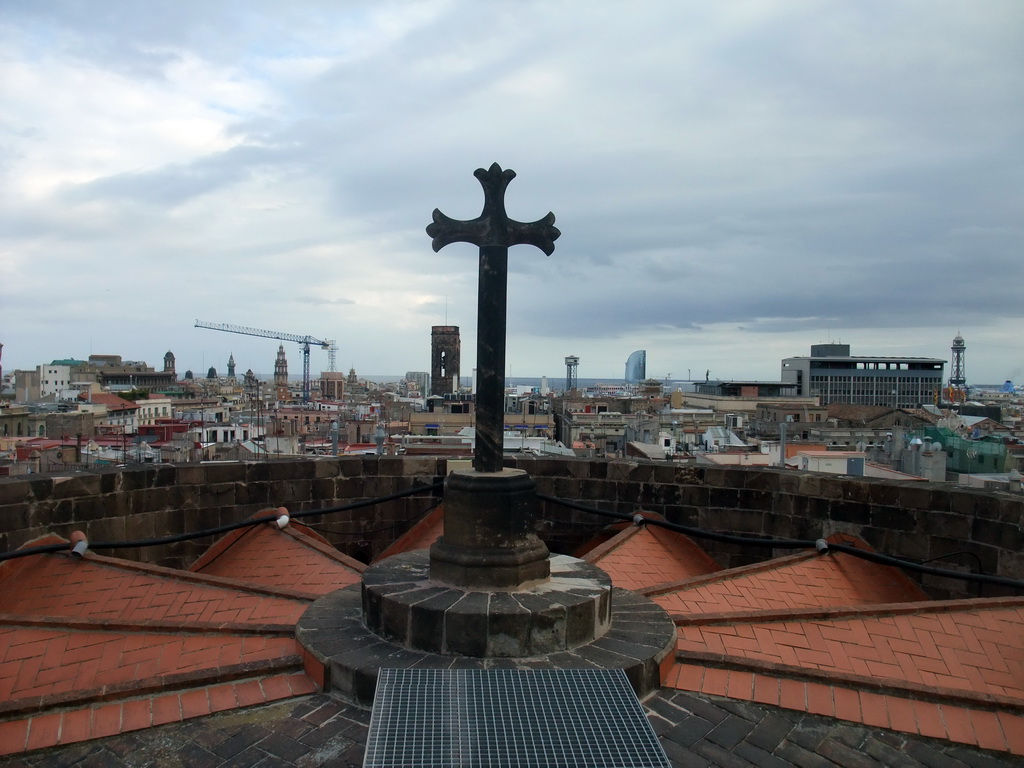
(640,637)
(569,608)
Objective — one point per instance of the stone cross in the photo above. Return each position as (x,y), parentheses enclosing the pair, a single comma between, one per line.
(493,232)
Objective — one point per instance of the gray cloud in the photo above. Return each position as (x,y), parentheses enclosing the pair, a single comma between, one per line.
(776,170)
(317,300)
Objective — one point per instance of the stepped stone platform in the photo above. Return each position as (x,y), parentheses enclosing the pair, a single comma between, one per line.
(569,608)
(398,619)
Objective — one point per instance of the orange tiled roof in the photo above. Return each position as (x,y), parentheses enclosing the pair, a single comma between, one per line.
(113,402)
(110,717)
(953,646)
(77,665)
(98,646)
(951,670)
(420,536)
(101,588)
(643,555)
(119,646)
(795,582)
(301,559)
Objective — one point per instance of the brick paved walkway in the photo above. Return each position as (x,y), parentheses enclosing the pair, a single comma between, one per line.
(695,731)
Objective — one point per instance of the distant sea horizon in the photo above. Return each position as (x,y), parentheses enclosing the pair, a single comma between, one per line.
(467,381)
(554,382)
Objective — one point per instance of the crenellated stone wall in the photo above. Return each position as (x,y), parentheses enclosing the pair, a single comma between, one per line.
(908,519)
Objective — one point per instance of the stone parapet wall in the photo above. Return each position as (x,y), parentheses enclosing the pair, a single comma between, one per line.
(908,519)
(137,504)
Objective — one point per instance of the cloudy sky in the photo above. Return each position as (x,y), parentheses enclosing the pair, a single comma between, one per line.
(734,181)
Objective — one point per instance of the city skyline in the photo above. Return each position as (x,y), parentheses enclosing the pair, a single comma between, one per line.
(733,182)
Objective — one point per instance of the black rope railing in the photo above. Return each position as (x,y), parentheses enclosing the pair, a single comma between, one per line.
(698,533)
(408,523)
(821,545)
(370,502)
(173,539)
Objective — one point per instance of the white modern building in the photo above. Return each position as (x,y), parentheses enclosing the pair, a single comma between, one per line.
(55,380)
(833,375)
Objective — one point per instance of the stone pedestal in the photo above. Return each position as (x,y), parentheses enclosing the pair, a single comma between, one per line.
(428,626)
(403,604)
(488,595)
(489,541)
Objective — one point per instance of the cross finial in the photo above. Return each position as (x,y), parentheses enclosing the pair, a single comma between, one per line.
(493,227)
(493,232)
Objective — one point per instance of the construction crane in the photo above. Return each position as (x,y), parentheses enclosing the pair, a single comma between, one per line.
(305,341)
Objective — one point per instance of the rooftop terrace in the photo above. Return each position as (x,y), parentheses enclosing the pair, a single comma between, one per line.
(782,657)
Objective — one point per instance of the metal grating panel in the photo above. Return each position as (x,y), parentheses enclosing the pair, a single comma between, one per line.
(571,718)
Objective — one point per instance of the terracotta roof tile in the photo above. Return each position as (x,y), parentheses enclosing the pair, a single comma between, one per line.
(106,719)
(96,588)
(74,665)
(642,556)
(293,558)
(975,653)
(794,582)
(420,536)
(832,634)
